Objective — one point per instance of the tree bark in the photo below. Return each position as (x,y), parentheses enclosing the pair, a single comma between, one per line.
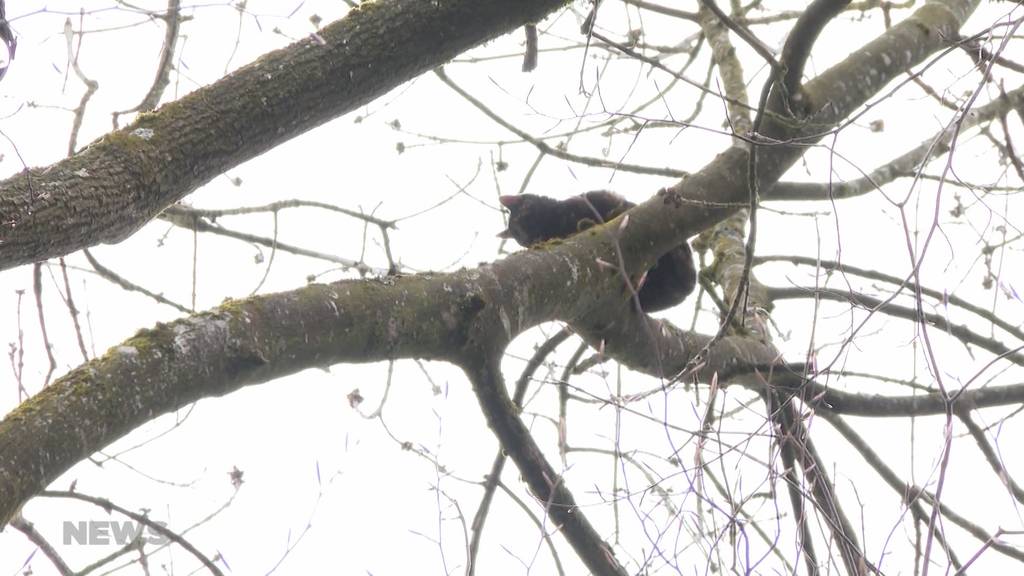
(121,181)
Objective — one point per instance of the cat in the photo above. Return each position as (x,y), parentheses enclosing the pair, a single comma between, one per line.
(534,219)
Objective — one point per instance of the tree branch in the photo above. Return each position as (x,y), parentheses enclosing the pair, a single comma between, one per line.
(548,486)
(960,331)
(907,164)
(121,181)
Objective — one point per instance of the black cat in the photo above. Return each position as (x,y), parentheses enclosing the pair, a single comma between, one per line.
(533,219)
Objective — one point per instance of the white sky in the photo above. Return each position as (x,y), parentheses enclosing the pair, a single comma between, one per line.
(306,455)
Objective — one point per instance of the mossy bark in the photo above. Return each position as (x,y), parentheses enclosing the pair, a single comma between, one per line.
(121,181)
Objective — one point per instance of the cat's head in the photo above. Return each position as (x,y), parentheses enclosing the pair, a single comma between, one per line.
(530,218)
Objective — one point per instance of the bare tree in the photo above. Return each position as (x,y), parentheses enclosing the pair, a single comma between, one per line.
(709,449)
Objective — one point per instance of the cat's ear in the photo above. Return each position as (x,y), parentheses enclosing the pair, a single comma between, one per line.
(511,202)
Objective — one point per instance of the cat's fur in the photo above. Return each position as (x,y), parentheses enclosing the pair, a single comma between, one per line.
(533,219)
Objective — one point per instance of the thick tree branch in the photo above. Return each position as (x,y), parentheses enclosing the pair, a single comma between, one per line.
(121,181)
(262,338)
(217,352)
(708,196)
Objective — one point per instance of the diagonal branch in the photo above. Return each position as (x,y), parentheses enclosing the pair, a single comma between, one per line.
(121,181)
(907,164)
(484,372)
(493,477)
(795,437)
(961,332)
